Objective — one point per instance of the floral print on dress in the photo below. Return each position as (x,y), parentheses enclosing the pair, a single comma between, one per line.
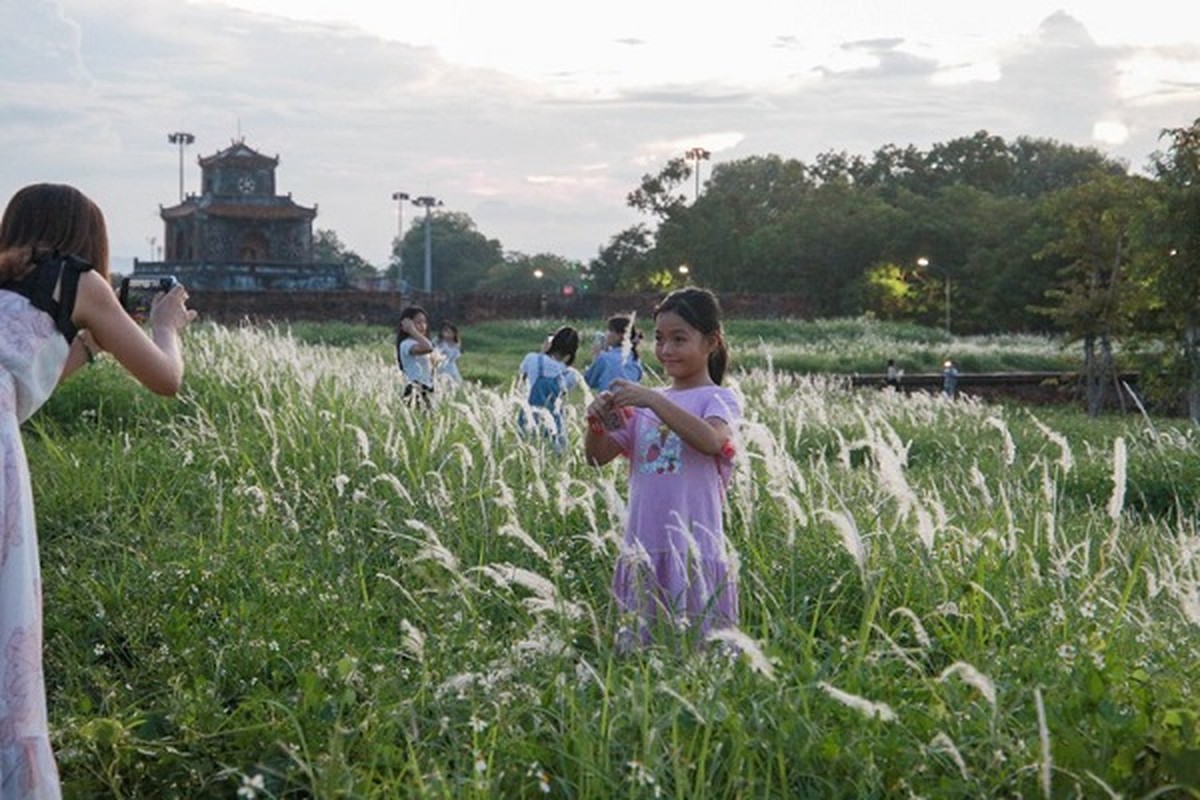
(32,354)
(661,451)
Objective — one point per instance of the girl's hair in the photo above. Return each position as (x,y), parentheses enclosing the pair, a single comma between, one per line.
(699,309)
(408,313)
(618,324)
(53,217)
(450,326)
(565,343)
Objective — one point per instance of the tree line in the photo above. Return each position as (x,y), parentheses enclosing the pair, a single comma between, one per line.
(976,234)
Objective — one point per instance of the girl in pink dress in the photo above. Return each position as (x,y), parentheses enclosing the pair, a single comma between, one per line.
(57,310)
(674,566)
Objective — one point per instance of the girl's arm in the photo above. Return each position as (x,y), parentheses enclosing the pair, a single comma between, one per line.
(706,435)
(83,350)
(155,360)
(421,344)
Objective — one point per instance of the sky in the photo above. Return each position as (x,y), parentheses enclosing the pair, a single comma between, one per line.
(537,118)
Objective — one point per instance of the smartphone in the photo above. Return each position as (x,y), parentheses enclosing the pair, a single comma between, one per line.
(137,291)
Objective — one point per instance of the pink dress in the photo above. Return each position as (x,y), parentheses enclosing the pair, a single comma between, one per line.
(33,351)
(674,564)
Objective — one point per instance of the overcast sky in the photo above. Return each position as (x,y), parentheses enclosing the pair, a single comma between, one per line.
(536,118)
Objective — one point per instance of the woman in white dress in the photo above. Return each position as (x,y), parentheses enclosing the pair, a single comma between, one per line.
(57,311)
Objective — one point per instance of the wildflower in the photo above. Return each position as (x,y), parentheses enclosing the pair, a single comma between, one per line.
(251,786)
(1088,610)
(1066,652)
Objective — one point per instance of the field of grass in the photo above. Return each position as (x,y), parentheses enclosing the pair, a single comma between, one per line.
(493,350)
(287,584)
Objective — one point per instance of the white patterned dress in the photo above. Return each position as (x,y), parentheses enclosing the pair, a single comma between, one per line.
(33,351)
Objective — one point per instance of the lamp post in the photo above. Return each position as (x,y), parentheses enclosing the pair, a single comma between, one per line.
(697,154)
(428,203)
(924,262)
(400,197)
(684,270)
(181,138)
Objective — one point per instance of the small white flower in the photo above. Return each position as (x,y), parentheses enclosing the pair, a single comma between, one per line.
(251,786)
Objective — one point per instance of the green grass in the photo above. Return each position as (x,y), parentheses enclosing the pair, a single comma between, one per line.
(493,350)
(286,576)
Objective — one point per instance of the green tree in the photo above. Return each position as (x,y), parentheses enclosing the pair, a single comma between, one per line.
(624,263)
(1095,225)
(1170,266)
(328,249)
(460,256)
(544,272)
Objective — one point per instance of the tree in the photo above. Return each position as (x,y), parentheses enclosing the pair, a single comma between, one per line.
(624,263)
(1095,224)
(544,272)
(1171,266)
(328,249)
(660,194)
(461,255)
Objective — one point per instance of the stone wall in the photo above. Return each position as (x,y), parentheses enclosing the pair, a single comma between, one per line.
(382,308)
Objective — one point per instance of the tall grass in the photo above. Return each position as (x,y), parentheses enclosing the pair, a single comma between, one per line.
(289,584)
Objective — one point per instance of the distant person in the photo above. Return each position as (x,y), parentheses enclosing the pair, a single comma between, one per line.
(892,378)
(447,350)
(618,356)
(57,312)
(949,379)
(549,374)
(674,568)
(412,356)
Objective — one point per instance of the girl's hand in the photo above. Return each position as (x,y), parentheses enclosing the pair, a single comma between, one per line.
(600,405)
(627,393)
(169,311)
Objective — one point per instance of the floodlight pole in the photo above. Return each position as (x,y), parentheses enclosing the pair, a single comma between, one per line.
(400,197)
(181,138)
(428,203)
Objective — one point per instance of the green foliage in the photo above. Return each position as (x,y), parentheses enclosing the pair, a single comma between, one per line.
(289,583)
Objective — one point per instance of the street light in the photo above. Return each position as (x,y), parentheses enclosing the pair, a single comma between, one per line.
(924,262)
(428,203)
(684,269)
(697,154)
(400,197)
(181,138)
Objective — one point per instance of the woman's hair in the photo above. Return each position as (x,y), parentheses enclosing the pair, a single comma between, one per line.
(565,343)
(408,313)
(699,309)
(619,324)
(53,217)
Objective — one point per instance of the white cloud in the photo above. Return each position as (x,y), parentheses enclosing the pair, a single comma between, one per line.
(540,139)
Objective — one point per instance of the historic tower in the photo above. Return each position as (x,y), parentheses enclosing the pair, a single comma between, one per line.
(238,233)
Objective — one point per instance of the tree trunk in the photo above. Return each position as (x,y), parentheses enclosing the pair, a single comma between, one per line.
(1093,377)
(1191,354)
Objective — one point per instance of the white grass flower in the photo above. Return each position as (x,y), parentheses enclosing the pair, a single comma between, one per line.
(851,540)
(515,531)
(251,786)
(944,744)
(747,646)
(1066,459)
(1047,764)
(1010,447)
(918,629)
(972,677)
(1116,503)
(414,640)
(868,708)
